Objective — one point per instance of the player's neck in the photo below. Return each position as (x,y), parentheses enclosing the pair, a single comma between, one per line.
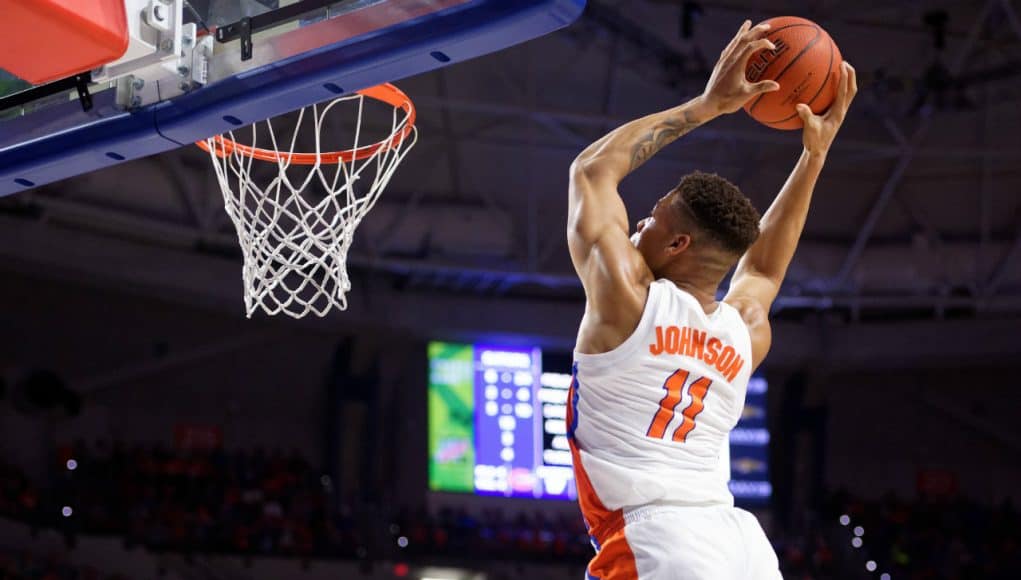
(703,290)
(699,274)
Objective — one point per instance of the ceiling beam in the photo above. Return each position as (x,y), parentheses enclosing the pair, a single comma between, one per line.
(872,219)
(893,181)
(1000,272)
(599,121)
(75,257)
(46,244)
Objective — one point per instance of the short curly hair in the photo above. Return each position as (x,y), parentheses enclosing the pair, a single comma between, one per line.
(719,210)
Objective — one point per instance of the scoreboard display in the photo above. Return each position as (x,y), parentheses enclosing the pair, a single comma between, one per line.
(497,423)
(497,426)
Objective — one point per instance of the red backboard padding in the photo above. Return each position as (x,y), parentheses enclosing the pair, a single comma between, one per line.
(46,40)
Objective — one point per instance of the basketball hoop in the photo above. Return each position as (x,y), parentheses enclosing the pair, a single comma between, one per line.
(294,244)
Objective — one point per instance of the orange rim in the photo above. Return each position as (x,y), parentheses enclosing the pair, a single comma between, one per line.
(385,92)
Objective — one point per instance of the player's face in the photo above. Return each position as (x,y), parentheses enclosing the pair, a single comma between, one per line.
(654,234)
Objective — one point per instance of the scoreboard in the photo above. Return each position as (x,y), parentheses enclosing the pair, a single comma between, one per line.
(497,423)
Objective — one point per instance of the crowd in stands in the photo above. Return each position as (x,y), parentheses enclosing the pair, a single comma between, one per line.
(948,538)
(275,504)
(18,497)
(806,556)
(235,502)
(26,566)
(493,536)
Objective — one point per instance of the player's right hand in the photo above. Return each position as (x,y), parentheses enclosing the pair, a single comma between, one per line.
(728,88)
(820,130)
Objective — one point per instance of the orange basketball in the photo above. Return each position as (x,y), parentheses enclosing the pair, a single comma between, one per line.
(806,63)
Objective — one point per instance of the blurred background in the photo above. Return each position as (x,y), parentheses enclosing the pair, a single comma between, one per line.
(148,430)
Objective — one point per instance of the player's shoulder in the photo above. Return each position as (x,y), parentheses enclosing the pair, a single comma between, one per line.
(751,311)
(755,317)
(613,313)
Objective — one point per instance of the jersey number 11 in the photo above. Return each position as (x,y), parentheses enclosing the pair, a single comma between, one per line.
(674,386)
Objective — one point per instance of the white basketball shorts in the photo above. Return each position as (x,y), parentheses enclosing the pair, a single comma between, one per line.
(689,543)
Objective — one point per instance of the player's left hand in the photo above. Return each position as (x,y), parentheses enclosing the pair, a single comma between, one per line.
(820,130)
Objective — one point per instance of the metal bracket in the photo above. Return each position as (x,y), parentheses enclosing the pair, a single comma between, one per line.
(158,16)
(245,32)
(193,64)
(155,40)
(169,78)
(79,82)
(244,28)
(129,92)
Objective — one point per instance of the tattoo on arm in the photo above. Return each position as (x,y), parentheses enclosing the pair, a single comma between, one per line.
(660,136)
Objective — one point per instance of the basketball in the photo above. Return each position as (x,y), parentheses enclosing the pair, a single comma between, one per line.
(805,62)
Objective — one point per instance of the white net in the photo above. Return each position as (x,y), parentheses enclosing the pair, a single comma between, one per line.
(296,230)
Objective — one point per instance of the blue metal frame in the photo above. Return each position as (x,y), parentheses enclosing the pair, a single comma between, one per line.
(67,142)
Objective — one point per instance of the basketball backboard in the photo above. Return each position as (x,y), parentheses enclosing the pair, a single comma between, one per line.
(217,64)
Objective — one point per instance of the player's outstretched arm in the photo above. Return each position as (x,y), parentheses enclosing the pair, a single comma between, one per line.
(615,277)
(761,271)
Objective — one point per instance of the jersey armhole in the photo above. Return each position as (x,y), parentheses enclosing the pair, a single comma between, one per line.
(611,359)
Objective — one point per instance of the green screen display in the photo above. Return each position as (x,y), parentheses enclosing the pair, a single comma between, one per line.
(451,417)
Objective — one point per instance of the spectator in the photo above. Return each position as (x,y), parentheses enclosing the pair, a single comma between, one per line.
(270,503)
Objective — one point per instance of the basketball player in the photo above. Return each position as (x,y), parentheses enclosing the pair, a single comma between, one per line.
(661,366)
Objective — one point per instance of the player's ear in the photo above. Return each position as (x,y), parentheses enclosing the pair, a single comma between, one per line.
(678,244)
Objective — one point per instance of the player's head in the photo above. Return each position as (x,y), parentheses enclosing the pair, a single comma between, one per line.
(706,218)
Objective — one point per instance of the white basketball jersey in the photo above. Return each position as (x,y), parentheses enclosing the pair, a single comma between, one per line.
(649,421)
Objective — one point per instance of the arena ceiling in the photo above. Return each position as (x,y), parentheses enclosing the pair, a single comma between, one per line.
(917,215)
